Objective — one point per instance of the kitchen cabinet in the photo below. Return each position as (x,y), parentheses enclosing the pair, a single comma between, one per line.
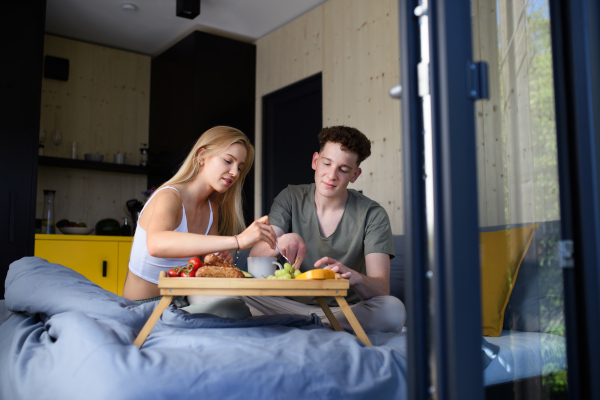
(21,40)
(104,260)
(202,81)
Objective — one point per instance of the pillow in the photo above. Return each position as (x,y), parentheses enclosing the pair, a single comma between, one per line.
(501,255)
(537,303)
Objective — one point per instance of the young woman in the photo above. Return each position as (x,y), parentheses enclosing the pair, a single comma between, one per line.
(197,212)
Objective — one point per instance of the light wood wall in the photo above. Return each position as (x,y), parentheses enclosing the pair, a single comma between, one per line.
(88,196)
(355,44)
(104,107)
(516,135)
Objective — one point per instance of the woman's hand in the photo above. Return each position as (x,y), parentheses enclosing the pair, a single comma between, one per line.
(260,230)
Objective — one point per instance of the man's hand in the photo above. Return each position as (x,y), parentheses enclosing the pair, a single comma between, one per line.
(293,247)
(226,255)
(336,266)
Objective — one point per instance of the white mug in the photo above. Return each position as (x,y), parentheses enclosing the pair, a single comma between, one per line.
(262,267)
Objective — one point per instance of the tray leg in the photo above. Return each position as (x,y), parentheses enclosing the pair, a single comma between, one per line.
(141,338)
(360,333)
(329,314)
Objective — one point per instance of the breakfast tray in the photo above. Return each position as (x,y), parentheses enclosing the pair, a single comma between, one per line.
(336,288)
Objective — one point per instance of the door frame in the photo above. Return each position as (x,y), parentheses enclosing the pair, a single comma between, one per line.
(576,56)
(456,272)
(416,283)
(454,326)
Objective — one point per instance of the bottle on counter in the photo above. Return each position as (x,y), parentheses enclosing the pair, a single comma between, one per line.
(48,213)
(126,228)
(144,155)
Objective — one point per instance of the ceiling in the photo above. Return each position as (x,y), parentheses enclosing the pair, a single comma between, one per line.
(153,27)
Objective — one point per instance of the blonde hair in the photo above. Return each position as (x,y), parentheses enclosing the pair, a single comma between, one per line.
(215,141)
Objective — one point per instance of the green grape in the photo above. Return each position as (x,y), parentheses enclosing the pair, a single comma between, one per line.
(287,276)
(278,272)
(271,277)
(297,272)
(287,266)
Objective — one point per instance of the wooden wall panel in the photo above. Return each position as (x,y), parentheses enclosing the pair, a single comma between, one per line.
(491,167)
(355,45)
(287,55)
(515,80)
(104,107)
(88,196)
(516,134)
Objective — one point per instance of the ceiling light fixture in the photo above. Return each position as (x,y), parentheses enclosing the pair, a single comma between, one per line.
(128,7)
(188,8)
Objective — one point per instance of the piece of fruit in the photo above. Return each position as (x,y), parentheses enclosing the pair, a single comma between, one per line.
(108,227)
(63,223)
(247,274)
(297,272)
(317,274)
(82,225)
(188,272)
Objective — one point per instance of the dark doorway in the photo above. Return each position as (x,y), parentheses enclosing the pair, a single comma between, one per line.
(292,119)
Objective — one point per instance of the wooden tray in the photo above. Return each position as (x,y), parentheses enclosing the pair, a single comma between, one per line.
(337,288)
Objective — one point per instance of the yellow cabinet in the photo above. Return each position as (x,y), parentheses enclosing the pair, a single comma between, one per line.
(102,259)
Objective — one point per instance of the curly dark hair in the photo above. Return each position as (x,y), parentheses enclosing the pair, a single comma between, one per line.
(351,139)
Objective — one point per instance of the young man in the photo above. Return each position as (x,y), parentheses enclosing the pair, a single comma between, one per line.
(327,225)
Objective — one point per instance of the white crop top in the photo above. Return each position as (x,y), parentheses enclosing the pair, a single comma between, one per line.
(146,266)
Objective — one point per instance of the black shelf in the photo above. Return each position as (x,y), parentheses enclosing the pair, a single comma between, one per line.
(94,165)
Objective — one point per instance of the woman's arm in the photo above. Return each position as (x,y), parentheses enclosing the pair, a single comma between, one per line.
(164,242)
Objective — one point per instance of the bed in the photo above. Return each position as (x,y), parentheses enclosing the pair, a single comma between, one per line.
(63,337)
(69,339)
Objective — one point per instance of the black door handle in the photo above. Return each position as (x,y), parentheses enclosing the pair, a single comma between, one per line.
(104,269)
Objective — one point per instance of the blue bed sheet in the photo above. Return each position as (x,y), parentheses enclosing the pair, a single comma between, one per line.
(70,339)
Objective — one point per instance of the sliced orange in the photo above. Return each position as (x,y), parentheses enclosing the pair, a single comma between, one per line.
(317,274)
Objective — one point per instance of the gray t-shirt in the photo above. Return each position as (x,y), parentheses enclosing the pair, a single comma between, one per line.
(363,229)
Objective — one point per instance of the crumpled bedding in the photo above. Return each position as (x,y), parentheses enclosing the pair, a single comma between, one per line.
(70,339)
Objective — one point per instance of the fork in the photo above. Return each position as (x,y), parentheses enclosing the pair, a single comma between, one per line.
(286,259)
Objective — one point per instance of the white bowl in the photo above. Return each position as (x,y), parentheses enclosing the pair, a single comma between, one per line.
(93,157)
(76,230)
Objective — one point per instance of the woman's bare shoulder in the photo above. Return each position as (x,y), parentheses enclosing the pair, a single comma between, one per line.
(164,206)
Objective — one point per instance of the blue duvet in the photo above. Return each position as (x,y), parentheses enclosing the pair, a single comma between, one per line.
(70,339)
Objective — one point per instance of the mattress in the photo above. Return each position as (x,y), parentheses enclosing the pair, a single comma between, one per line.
(524,355)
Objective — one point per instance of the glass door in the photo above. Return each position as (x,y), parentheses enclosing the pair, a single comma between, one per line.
(500,162)
(518,192)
